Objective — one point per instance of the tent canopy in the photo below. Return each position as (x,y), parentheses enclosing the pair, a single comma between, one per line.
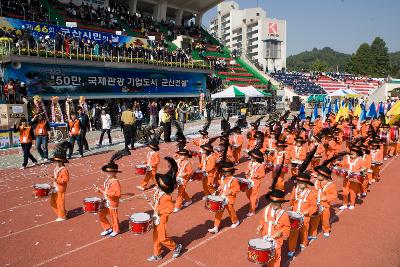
(240,92)
(316,98)
(344,93)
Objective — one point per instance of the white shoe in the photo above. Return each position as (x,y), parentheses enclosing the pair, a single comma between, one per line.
(187,203)
(106,232)
(373,180)
(364,194)
(312,237)
(250,214)
(176,210)
(326,235)
(302,247)
(205,197)
(177,251)
(213,230)
(234,225)
(290,254)
(358,195)
(60,220)
(343,207)
(22,168)
(113,234)
(35,164)
(140,188)
(385,158)
(154,258)
(351,208)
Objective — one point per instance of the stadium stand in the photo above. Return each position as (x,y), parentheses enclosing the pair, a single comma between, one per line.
(301,83)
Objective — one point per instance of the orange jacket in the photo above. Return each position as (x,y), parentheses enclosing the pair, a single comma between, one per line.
(275,221)
(163,203)
(236,140)
(298,153)
(269,143)
(302,201)
(25,136)
(290,139)
(209,164)
(327,189)
(185,169)
(41,128)
(367,158)
(320,149)
(112,192)
(251,139)
(199,142)
(277,158)
(376,155)
(153,159)
(352,165)
(74,127)
(61,177)
(255,170)
(229,187)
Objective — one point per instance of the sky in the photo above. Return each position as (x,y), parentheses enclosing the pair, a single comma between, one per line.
(340,24)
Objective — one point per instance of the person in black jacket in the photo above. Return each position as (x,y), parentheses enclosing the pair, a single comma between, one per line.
(42,128)
(25,139)
(85,124)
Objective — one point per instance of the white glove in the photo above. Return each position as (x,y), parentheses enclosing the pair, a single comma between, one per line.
(179,180)
(149,168)
(156,219)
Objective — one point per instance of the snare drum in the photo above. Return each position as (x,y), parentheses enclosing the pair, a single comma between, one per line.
(308,134)
(394,134)
(356,177)
(383,136)
(93,204)
(245,184)
(198,175)
(284,169)
(141,169)
(296,219)
(296,164)
(140,223)
(260,251)
(340,172)
(376,163)
(347,133)
(269,167)
(215,203)
(41,190)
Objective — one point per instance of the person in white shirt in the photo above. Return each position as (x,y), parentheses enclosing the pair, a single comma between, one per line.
(105,126)
(160,115)
(139,116)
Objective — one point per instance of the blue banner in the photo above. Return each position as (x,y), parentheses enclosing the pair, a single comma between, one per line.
(59,80)
(42,29)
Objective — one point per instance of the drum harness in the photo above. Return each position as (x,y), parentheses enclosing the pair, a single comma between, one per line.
(302,199)
(278,214)
(204,158)
(107,184)
(180,172)
(57,171)
(254,166)
(225,187)
(351,164)
(149,156)
(320,207)
(203,141)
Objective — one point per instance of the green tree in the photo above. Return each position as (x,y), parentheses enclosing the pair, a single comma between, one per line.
(380,58)
(361,62)
(318,65)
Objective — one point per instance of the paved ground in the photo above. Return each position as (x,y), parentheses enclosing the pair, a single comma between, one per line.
(367,236)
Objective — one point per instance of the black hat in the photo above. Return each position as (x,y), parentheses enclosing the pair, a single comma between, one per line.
(300,140)
(167,182)
(179,137)
(376,142)
(110,167)
(324,171)
(184,152)
(258,134)
(305,178)
(257,154)
(228,167)
(357,150)
(280,143)
(207,147)
(276,196)
(203,132)
(237,129)
(60,152)
(154,145)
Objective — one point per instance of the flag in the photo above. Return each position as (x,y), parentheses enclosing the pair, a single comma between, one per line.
(323,111)
(336,109)
(393,114)
(388,106)
(350,106)
(381,110)
(314,115)
(329,107)
(357,111)
(372,111)
(302,113)
(362,117)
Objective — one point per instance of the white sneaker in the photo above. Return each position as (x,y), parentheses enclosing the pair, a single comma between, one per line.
(204,198)
(364,194)
(140,188)
(177,251)
(213,230)
(234,225)
(154,258)
(106,232)
(385,158)
(35,164)
(343,207)
(358,195)
(22,168)
(250,214)
(290,254)
(312,237)
(373,180)
(60,219)
(176,210)
(351,208)
(302,247)
(326,235)
(187,203)
(113,234)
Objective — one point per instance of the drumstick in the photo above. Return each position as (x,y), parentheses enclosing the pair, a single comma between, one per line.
(149,201)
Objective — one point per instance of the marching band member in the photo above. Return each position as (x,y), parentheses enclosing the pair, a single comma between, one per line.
(316,141)
(163,207)
(61,179)
(111,190)
(269,142)
(384,136)
(209,166)
(353,164)
(393,140)
(298,154)
(201,141)
(326,193)
(254,173)
(280,158)
(304,201)
(275,223)
(376,160)
(185,171)
(330,146)
(290,137)
(228,189)
(367,160)
(153,159)
(250,134)
(25,139)
(237,142)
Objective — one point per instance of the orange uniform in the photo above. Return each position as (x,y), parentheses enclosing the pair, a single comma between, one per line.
(302,202)
(112,193)
(184,173)
(290,139)
(25,136)
(41,128)
(318,154)
(298,154)
(74,127)
(236,140)
(255,172)
(392,150)
(199,142)
(209,166)
(376,156)
(330,150)
(163,207)
(351,188)
(272,222)
(251,140)
(153,159)
(328,190)
(367,164)
(277,160)
(269,144)
(229,188)
(57,201)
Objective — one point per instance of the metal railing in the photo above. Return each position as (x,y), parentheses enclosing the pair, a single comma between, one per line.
(91,54)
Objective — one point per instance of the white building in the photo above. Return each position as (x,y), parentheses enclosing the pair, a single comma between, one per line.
(250,31)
